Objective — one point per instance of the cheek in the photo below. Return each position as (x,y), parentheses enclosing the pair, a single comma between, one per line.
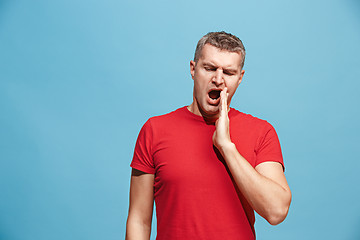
(198,89)
(199,85)
(232,90)
(231,87)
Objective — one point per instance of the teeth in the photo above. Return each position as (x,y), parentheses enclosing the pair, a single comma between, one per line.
(214,94)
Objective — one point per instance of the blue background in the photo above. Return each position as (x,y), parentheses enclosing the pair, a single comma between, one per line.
(79,78)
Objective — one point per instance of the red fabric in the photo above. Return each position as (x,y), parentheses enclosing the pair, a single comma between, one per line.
(194,193)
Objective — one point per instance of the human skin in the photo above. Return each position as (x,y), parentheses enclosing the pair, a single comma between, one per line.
(215,70)
(138,225)
(265,186)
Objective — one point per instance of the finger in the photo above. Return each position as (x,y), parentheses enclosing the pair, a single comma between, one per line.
(221,103)
(224,95)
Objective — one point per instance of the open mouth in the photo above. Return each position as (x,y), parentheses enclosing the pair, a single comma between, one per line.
(214,94)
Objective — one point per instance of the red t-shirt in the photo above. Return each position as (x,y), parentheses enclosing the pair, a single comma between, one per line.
(194,193)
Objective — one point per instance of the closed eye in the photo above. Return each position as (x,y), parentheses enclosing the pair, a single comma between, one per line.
(210,69)
(228,73)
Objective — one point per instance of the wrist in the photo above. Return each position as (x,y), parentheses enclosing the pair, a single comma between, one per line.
(227,147)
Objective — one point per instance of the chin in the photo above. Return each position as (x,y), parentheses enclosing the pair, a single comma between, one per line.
(210,111)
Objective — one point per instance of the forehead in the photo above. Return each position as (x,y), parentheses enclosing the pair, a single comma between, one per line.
(219,57)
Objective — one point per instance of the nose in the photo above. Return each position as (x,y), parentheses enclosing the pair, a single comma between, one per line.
(218,78)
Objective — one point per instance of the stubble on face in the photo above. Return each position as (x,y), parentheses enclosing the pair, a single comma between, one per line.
(215,70)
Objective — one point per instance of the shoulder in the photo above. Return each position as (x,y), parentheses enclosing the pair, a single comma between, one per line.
(249,120)
(167,119)
(168,116)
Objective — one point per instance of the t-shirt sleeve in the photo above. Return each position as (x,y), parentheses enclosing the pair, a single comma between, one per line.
(143,159)
(269,149)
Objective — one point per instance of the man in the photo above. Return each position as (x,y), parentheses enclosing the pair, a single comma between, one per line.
(208,166)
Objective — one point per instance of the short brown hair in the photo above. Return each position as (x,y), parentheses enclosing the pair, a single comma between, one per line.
(223,41)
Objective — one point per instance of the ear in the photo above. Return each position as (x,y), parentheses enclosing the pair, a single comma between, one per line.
(241,76)
(192,68)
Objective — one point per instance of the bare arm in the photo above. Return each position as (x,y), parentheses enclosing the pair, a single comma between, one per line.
(138,226)
(264,187)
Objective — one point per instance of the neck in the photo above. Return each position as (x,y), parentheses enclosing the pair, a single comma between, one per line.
(209,119)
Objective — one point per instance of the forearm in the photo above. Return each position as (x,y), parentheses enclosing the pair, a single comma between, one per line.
(268,198)
(138,225)
(137,230)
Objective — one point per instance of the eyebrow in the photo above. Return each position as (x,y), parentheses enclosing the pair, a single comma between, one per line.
(209,65)
(224,69)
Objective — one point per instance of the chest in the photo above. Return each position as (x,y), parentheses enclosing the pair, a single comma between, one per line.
(186,158)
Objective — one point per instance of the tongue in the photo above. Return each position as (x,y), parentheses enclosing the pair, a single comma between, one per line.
(214,94)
